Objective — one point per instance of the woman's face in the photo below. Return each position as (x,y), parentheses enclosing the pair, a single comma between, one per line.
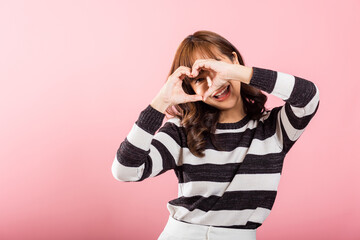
(200,85)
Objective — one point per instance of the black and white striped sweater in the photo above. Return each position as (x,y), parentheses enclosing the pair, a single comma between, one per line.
(235,187)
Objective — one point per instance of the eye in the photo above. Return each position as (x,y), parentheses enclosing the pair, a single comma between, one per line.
(199,79)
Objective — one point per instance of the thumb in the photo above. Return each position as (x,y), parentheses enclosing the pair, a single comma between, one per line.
(194,98)
(209,91)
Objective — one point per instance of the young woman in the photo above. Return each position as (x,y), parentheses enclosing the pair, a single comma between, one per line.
(226,149)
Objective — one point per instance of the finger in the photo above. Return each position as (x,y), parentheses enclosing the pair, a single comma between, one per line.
(200,63)
(209,82)
(195,67)
(184,73)
(193,98)
(180,68)
(181,72)
(209,91)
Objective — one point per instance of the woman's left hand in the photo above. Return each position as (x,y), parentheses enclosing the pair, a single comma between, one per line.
(223,72)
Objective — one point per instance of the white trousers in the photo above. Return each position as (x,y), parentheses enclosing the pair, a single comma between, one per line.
(176,230)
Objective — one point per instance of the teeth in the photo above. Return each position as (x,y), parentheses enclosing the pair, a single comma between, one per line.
(221,92)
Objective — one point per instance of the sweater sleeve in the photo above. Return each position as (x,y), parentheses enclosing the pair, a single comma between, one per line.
(301,98)
(145,153)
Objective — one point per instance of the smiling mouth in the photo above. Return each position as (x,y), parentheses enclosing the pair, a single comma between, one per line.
(223,93)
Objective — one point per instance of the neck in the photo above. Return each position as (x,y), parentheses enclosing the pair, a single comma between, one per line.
(234,114)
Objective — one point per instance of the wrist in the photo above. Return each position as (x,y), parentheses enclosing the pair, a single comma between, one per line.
(242,73)
(159,104)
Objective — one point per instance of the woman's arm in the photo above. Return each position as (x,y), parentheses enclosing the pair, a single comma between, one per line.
(301,98)
(143,153)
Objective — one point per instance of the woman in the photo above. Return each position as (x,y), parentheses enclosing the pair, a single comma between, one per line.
(225,147)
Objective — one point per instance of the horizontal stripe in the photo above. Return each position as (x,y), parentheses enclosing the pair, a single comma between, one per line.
(303,92)
(218,218)
(309,108)
(172,130)
(284,85)
(271,163)
(150,119)
(291,132)
(249,126)
(124,173)
(214,157)
(259,215)
(236,155)
(207,172)
(296,122)
(167,159)
(131,156)
(248,225)
(267,146)
(203,188)
(139,138)
(247,182)
(241,182)
(230,200)
(263,79)
(170,144)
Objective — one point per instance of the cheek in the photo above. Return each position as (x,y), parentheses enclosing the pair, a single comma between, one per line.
(198,91)
(202,89)
(236,87)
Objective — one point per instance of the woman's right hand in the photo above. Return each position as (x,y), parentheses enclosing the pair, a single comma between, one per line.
(172,92)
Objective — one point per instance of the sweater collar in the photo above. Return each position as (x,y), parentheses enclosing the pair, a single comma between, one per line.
(234,125)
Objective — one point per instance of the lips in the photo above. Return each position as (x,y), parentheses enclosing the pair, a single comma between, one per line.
(223,96)
(219,91)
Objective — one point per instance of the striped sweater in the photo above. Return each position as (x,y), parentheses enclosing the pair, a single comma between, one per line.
(232,188)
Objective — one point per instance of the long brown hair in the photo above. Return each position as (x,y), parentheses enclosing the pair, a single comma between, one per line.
(198,118)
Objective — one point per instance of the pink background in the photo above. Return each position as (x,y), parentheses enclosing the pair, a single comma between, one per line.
(75,75)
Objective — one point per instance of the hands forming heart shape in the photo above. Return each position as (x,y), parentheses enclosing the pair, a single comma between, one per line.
(172,92)
(221,73)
